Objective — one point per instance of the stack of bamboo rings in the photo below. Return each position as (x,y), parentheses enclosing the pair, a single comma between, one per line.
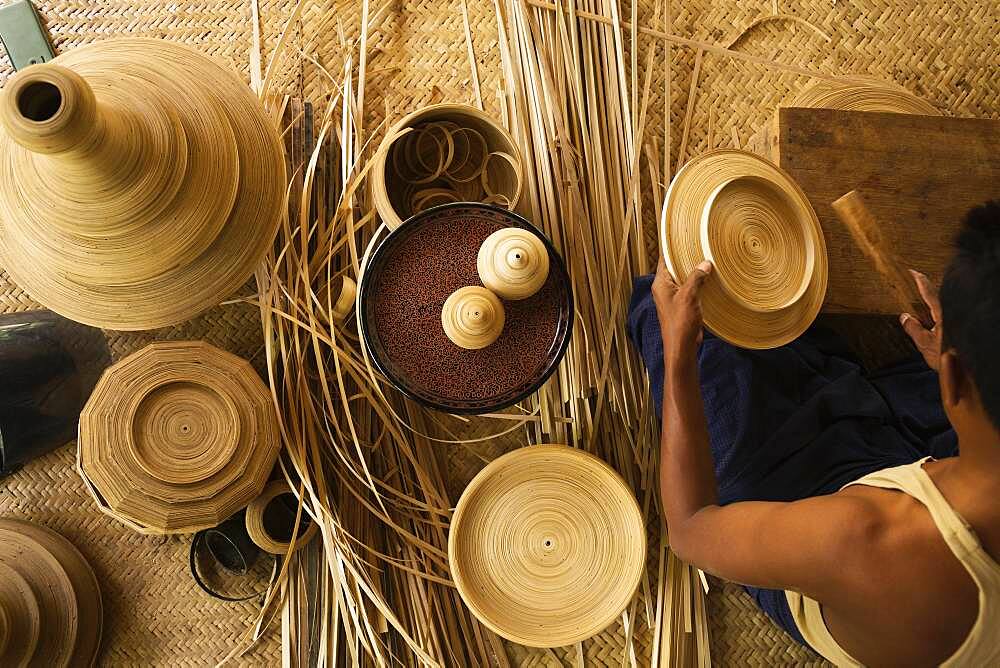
(547,546)
(50,604)
(756,225)
(140,183)
(442,154)
(862,93)
(177,437)
(270,520)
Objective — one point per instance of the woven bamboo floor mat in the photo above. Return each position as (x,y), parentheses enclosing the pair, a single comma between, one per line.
(945,52)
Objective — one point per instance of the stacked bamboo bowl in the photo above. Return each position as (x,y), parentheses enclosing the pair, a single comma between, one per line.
(140,183)
(177,437)
(861,93)
(50,605)
(547,545)
(755,224)
(442,154)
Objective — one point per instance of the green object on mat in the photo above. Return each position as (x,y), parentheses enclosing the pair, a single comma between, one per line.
(22,35)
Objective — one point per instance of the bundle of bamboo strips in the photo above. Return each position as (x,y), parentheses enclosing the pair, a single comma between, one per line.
(368,465)
(575,107)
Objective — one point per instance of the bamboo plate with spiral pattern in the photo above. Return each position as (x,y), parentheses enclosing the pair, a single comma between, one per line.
(862,93)
(140,183)
(756,225)
(547,545)
(177,437)
(50,604)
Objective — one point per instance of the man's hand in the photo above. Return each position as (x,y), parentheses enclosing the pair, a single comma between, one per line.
(927,341)
(678,308)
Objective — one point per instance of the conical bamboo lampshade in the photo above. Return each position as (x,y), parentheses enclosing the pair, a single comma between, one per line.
(140,183)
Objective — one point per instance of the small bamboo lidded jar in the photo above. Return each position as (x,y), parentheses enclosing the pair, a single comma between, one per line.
(472,317)
(513,263)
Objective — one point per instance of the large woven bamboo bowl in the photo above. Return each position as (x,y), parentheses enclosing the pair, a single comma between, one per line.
(50,604)
(140,183)
(177,437)
(547,546)
(756,225)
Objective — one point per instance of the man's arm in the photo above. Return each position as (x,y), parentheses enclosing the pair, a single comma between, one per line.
(800,545)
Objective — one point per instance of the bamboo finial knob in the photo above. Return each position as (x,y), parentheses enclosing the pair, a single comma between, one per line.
(472,317)
(513,263)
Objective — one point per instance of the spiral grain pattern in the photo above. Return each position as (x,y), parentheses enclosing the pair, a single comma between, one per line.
(862,93)
(50,603)
(140,183)
(513,263)
(472,317)
(758,228)
(177,437)
(547,545)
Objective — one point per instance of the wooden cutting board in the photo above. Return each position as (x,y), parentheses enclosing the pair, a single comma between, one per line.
(918,174)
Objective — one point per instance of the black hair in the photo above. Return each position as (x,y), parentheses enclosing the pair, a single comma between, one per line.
(970,303)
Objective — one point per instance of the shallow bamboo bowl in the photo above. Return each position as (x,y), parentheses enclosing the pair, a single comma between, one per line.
(177,437)
(758,228)
(140,183)
(50,604)
(390,191)
(547,546)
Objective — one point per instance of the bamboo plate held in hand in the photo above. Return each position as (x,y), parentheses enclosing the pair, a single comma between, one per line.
(547,545)
(177,437)
(757,226)
(140,183)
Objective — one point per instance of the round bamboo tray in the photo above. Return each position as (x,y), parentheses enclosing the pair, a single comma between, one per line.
(50,603)
(756,225)
(442,154)
(262,529)
(862,93)
(140,183)
(177,437)
(547,546)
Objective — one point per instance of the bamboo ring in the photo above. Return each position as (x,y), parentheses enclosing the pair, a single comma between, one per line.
(48,593)
(270,525)
(547,546)
(513,263)
(140,183)
(177,437)
(757,226)
(472,317)
(506,182)
(346,293)
(862,93)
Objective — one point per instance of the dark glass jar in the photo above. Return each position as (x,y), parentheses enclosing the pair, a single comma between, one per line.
(48,366)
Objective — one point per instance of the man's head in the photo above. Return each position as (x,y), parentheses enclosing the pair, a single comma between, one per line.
(970,305)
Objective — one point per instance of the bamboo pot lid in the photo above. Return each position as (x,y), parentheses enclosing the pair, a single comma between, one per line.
(756,225)
(140,183)
(178,437)
(862,93)
(547,546)
(50,604)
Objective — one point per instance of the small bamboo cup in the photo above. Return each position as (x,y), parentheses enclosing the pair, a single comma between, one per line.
(449,156)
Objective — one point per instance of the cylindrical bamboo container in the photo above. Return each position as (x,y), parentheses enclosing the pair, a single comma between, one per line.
(487,164)
(140,183)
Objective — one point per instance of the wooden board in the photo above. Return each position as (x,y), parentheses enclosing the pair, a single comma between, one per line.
(918,174)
